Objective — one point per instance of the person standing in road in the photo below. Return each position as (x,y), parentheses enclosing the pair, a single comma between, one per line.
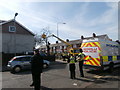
(80,59)
(36,69)
(72,67)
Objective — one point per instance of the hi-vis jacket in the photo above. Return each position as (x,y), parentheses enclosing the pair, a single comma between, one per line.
(81,56)
(72,60)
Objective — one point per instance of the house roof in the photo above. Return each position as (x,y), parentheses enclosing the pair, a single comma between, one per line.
(2,22)
(105,36)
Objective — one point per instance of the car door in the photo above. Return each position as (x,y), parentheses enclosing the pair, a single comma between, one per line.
(26,62)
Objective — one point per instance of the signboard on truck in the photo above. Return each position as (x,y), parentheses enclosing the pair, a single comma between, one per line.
(92,51)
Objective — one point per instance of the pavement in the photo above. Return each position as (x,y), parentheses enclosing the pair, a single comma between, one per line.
(3,68)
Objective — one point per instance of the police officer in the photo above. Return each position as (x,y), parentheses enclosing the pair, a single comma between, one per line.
(72,67)
(36,68)
(80,59)
(64,56)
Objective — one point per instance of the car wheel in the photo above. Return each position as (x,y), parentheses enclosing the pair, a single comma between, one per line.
(17,69)
(45,65)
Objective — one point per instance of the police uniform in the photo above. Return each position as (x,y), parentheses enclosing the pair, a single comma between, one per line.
(81,60)
(36,68)
(72,67)
(64,56)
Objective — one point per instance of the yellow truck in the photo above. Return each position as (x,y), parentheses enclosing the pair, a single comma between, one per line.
(101,53)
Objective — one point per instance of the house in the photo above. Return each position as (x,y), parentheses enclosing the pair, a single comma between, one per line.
(15,37)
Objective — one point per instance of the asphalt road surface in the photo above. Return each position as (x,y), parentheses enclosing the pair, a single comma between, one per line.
(57,77)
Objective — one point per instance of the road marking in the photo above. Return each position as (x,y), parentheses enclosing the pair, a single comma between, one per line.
(97,76)
(75,84)
(87,79)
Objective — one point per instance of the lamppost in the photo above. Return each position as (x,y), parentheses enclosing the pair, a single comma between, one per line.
(58,35)
(15,33)
(57,28)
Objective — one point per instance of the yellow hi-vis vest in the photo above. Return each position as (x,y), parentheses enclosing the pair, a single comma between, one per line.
(72,60)
(81,55)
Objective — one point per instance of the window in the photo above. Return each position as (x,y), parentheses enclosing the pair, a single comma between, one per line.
(26,59)
(17,59)
(12,29)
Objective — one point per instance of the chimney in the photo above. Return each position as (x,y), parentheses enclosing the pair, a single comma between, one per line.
(82,37)
(67,40)
(94,35)
(56,42)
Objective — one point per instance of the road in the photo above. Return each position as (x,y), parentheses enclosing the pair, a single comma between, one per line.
(57,77)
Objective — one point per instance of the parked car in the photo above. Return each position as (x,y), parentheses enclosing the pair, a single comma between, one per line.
(18,63)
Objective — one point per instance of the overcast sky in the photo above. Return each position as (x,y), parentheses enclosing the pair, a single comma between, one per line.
(81,18)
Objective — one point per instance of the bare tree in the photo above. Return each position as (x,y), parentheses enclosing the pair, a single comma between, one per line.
(42,41)
(38,40)
(46,32)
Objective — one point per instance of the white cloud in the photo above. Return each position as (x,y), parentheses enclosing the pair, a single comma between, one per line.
(75,27)
(107,22)
(103,24)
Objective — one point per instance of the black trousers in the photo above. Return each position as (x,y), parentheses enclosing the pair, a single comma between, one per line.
(72,70)
(36,76)
(81,68)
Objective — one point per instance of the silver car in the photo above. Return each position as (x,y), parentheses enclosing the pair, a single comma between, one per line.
(18,63)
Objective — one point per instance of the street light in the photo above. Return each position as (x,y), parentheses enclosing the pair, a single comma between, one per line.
(15,15)
(57,28)
(15,33)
